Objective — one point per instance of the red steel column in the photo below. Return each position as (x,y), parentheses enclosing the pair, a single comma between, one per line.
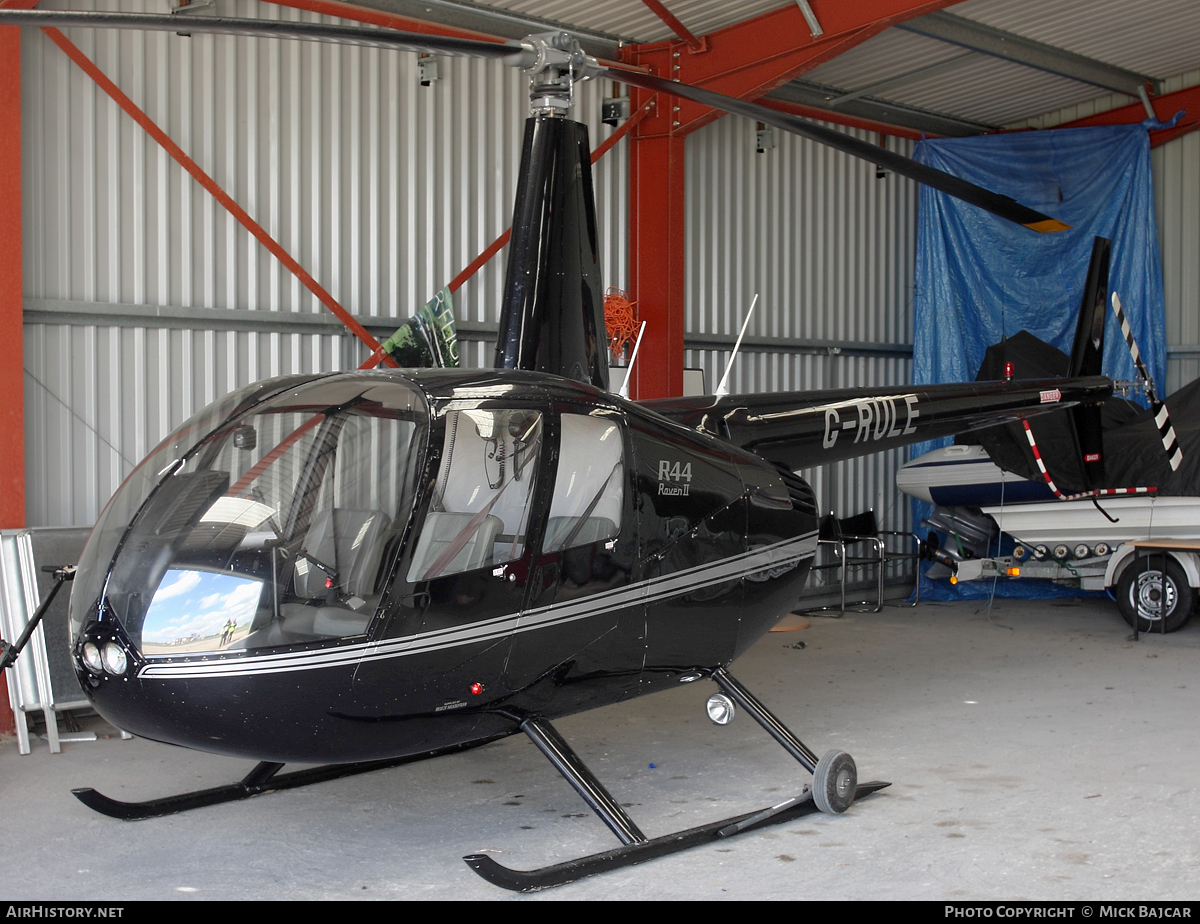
(656,261)
(12,407)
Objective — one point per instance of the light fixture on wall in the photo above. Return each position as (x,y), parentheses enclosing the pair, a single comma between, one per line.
(764,138)
(615,108)
(427,69)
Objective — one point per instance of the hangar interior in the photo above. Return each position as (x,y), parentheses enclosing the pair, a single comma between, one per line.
(181,216)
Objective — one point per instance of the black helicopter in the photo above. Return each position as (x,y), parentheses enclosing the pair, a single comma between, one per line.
(362,569)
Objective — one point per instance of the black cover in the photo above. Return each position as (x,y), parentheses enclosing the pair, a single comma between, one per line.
(1133,452)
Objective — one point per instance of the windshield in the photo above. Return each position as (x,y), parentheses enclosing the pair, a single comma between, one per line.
(114,519)
(278,527)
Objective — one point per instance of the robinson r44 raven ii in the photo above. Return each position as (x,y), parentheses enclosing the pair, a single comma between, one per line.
(359,569)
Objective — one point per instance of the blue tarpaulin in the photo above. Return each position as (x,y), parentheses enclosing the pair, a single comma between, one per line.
(980,278)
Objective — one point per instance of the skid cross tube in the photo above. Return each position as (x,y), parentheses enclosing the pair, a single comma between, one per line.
(764,717)
(567,762)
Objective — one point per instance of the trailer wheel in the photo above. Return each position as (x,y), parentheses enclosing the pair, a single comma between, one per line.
(1160,606)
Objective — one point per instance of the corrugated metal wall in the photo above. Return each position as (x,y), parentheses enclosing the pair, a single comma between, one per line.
(829,248)
(381,188)
(1176,168)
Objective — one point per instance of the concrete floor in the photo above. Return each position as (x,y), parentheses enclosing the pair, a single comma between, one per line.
(1039,756)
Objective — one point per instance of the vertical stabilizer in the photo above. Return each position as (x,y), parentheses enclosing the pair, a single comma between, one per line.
(1087,356)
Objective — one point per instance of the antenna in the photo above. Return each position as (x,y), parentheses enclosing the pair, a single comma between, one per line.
(623,391)
(723,388)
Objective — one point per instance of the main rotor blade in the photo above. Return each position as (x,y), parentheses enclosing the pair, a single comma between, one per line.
(519,55)
(992,202)
(266,28)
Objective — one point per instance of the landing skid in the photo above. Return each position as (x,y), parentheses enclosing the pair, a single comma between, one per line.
(264,778)
(550,876)
(835,787)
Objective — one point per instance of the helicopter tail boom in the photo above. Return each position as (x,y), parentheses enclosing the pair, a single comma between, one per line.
(799,430)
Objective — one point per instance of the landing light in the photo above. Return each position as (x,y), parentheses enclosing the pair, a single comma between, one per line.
(114,659)
(91,657)
(720,708)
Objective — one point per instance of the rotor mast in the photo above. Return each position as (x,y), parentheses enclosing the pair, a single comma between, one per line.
(552,314)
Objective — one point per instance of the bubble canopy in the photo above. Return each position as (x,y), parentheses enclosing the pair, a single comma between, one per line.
(265,520)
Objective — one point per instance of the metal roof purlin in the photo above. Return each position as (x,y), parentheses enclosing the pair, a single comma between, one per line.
(811,100)
(469,20)
(751,58)
(988,40)
(929,70)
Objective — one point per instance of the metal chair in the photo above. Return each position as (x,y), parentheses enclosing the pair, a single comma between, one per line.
(862,530)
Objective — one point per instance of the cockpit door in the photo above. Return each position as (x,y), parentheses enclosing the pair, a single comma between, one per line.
(580,638)
(461,581)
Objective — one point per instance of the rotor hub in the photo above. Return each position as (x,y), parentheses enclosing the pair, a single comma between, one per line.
(554,62)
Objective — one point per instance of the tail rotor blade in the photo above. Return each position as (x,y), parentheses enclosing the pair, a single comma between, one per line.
(1138,362)
(1087,352)
(1087,358)
(1167,433)
(1162,419)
